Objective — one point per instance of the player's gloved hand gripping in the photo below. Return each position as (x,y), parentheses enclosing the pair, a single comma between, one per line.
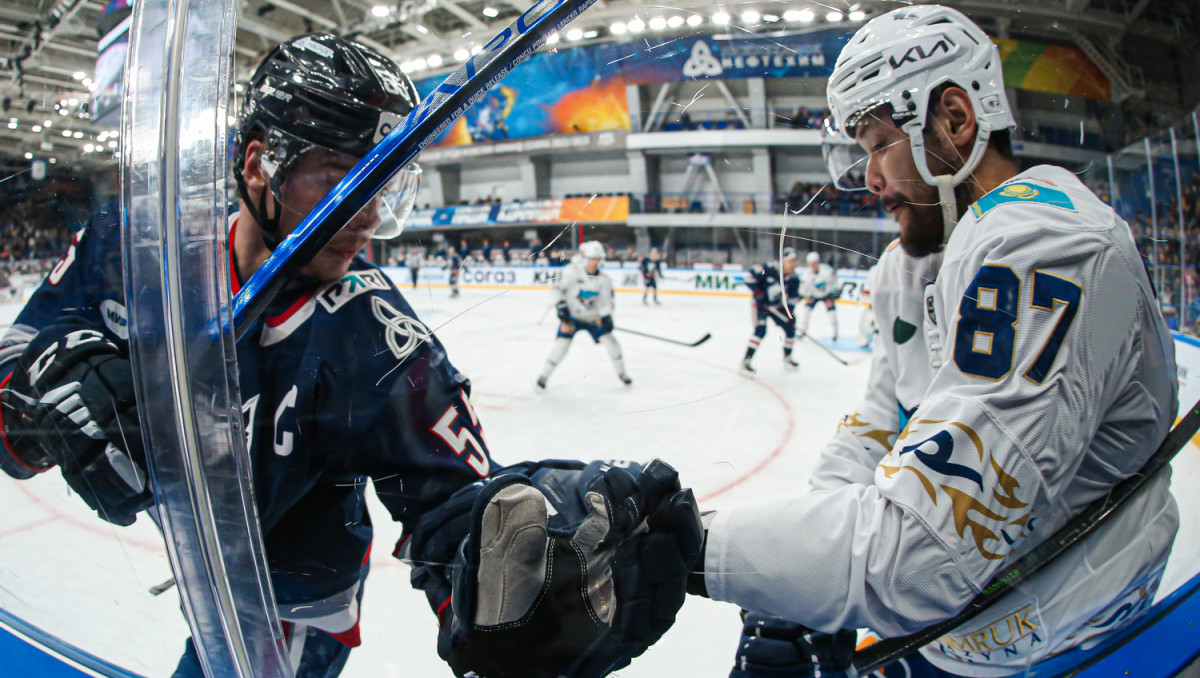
(564,313)
(773,647)
(70,402)
(567,573)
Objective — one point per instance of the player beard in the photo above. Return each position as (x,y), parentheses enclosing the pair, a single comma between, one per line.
(922,229)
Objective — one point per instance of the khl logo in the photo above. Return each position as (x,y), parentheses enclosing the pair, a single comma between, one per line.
(701,62)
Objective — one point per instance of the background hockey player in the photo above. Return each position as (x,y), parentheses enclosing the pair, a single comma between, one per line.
(1034,374)
(454,265)
(413,260)
(651,271)
(819,286)
(583,299)
(775,292)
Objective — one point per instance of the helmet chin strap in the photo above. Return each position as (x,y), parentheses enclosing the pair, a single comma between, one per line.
(945,186)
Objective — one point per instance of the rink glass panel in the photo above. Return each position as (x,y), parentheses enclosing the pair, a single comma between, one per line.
(88,583)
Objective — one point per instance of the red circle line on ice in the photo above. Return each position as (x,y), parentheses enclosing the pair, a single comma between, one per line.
(787,433)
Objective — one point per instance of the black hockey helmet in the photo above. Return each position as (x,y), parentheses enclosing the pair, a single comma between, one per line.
(321,91)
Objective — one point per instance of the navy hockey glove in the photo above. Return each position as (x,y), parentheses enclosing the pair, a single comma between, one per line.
(773,647)
(606,324)
(539,601)
(564,313)
(70,402)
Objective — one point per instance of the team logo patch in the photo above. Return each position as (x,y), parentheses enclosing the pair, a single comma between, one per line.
(1019,193)
(351,285)
(404,334)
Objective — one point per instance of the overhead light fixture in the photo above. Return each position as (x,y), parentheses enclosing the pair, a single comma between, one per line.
(750,17)
(588,35)
(380,11)
(695,20)
(491,12)
(658,23)
(807,16)
(479,48)
(73,101)
(770,18)
(66,133)
(79,75)
(47,123)
(28,155)
(238,87)
(422,29)
(574,34)
(62,111)
(12,125)
(53,161)
(637,25)
(552,40)
(618,28)
(858,15)
(833,17)
(78,135)
(675,21)
(87,82)
(112,144)
(93,87)
(434,60)
(720,19)
(461,54)
(36,128)
(88,148)
(419,64)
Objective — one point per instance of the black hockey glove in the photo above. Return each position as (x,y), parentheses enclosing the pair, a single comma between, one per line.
(606,324)
(568,594)
(773,647)
(70,402)
(564,313)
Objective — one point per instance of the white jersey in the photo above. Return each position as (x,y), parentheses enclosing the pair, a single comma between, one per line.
(588,297)
(819,284)
(1051,378)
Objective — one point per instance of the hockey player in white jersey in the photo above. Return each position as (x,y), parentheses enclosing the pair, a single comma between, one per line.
(1023,369)
(583,298)
(819,286)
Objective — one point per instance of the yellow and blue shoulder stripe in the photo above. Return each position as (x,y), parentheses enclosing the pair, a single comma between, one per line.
(1022,192)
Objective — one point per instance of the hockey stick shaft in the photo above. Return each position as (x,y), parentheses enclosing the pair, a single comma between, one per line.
(430,118)
(805,335)
(1018,573)
(699,341)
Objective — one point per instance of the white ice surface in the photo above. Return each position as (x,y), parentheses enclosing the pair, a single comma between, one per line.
(732,439)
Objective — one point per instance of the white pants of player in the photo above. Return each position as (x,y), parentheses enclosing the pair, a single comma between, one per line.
(806,311)
(561,344)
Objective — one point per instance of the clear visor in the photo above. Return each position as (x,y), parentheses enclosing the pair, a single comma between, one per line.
(846,160)
(393,204)
(396,201)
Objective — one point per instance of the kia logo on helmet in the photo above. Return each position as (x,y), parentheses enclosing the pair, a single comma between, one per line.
(917,53)
(916,56)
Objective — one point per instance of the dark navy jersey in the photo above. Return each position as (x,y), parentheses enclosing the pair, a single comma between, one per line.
(770,288)
(651,268)
(454,263)
(340,382)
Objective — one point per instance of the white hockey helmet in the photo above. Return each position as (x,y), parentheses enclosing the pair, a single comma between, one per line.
(813,258)
(788,253)
(592,249)
(898,59)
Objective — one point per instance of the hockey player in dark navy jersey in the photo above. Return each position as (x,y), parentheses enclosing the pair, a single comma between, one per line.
(776,291)
(340,381)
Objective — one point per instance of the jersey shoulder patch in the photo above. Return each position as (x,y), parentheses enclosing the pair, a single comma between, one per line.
(1022,192)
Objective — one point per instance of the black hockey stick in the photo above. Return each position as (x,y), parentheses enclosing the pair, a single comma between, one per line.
(701,340)
(805,335)
(419,128)
(1097,513)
